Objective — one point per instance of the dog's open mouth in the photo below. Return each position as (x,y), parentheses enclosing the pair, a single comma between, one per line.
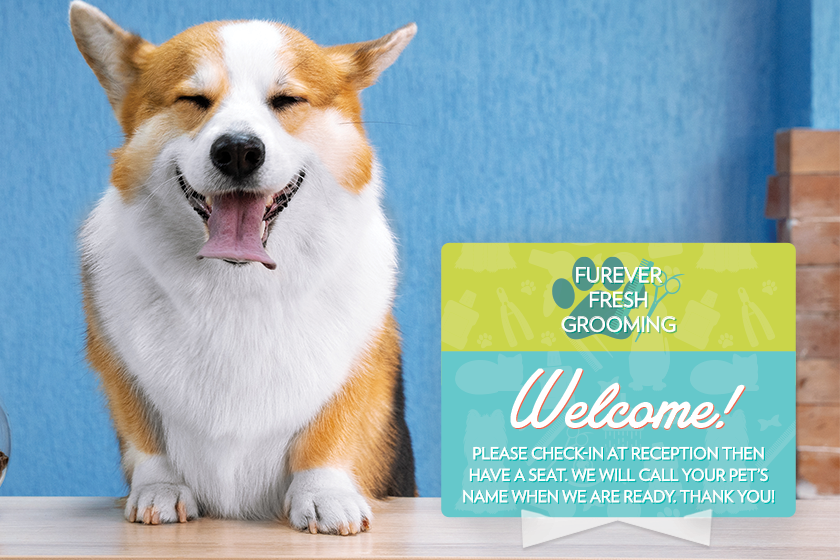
(239,222)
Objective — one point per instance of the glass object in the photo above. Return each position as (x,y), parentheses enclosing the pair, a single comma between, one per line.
(5,443)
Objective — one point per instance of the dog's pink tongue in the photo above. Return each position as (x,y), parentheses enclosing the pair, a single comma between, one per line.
(235,224)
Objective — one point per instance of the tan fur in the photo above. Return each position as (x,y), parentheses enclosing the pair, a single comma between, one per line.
(130,417)
(325,84)
(162,76)
(354,430)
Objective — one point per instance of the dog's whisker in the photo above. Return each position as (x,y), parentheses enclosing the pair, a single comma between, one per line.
(152,191)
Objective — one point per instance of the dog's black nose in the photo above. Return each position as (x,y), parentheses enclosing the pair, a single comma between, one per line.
(237,155)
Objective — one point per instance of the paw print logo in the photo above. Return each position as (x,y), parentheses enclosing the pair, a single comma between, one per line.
(602,318)
(725,340)
(668,512)
(548,338)
(485,340)
(528,287)
(768,287)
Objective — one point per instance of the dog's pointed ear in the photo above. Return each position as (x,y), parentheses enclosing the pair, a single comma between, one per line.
(364,62)
(112,53)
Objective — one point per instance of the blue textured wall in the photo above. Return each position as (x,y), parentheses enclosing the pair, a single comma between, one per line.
(793,63)
(546,121)
(825,64)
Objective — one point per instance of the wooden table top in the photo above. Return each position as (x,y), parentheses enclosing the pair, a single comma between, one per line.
(402,528)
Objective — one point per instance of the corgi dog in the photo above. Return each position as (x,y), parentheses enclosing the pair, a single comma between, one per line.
(238,277)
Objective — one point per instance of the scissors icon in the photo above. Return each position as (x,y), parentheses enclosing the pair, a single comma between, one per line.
(669,289)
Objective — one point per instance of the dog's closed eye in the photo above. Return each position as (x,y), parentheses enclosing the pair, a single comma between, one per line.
(280,102)
(198,100)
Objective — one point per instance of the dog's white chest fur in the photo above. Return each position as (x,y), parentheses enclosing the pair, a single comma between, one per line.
(237,359)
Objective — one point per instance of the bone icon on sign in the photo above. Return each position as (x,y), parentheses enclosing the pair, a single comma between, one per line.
(749,310)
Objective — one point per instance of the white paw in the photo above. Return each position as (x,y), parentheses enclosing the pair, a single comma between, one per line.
(160,502)
(326,501)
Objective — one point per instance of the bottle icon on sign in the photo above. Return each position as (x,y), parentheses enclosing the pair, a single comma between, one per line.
(700,318)
(458,318)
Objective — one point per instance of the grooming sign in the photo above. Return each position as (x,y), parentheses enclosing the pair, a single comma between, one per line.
(618,380)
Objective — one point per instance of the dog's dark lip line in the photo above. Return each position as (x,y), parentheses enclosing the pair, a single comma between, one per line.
(197,200)
(279,202)
(281,199)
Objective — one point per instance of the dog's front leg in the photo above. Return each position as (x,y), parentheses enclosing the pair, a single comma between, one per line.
(325,494)
(345,455)
(157,495)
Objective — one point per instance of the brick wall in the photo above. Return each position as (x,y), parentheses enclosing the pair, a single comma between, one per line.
(804,196)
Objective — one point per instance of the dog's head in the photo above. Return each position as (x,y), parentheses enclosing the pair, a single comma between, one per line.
(231,121)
